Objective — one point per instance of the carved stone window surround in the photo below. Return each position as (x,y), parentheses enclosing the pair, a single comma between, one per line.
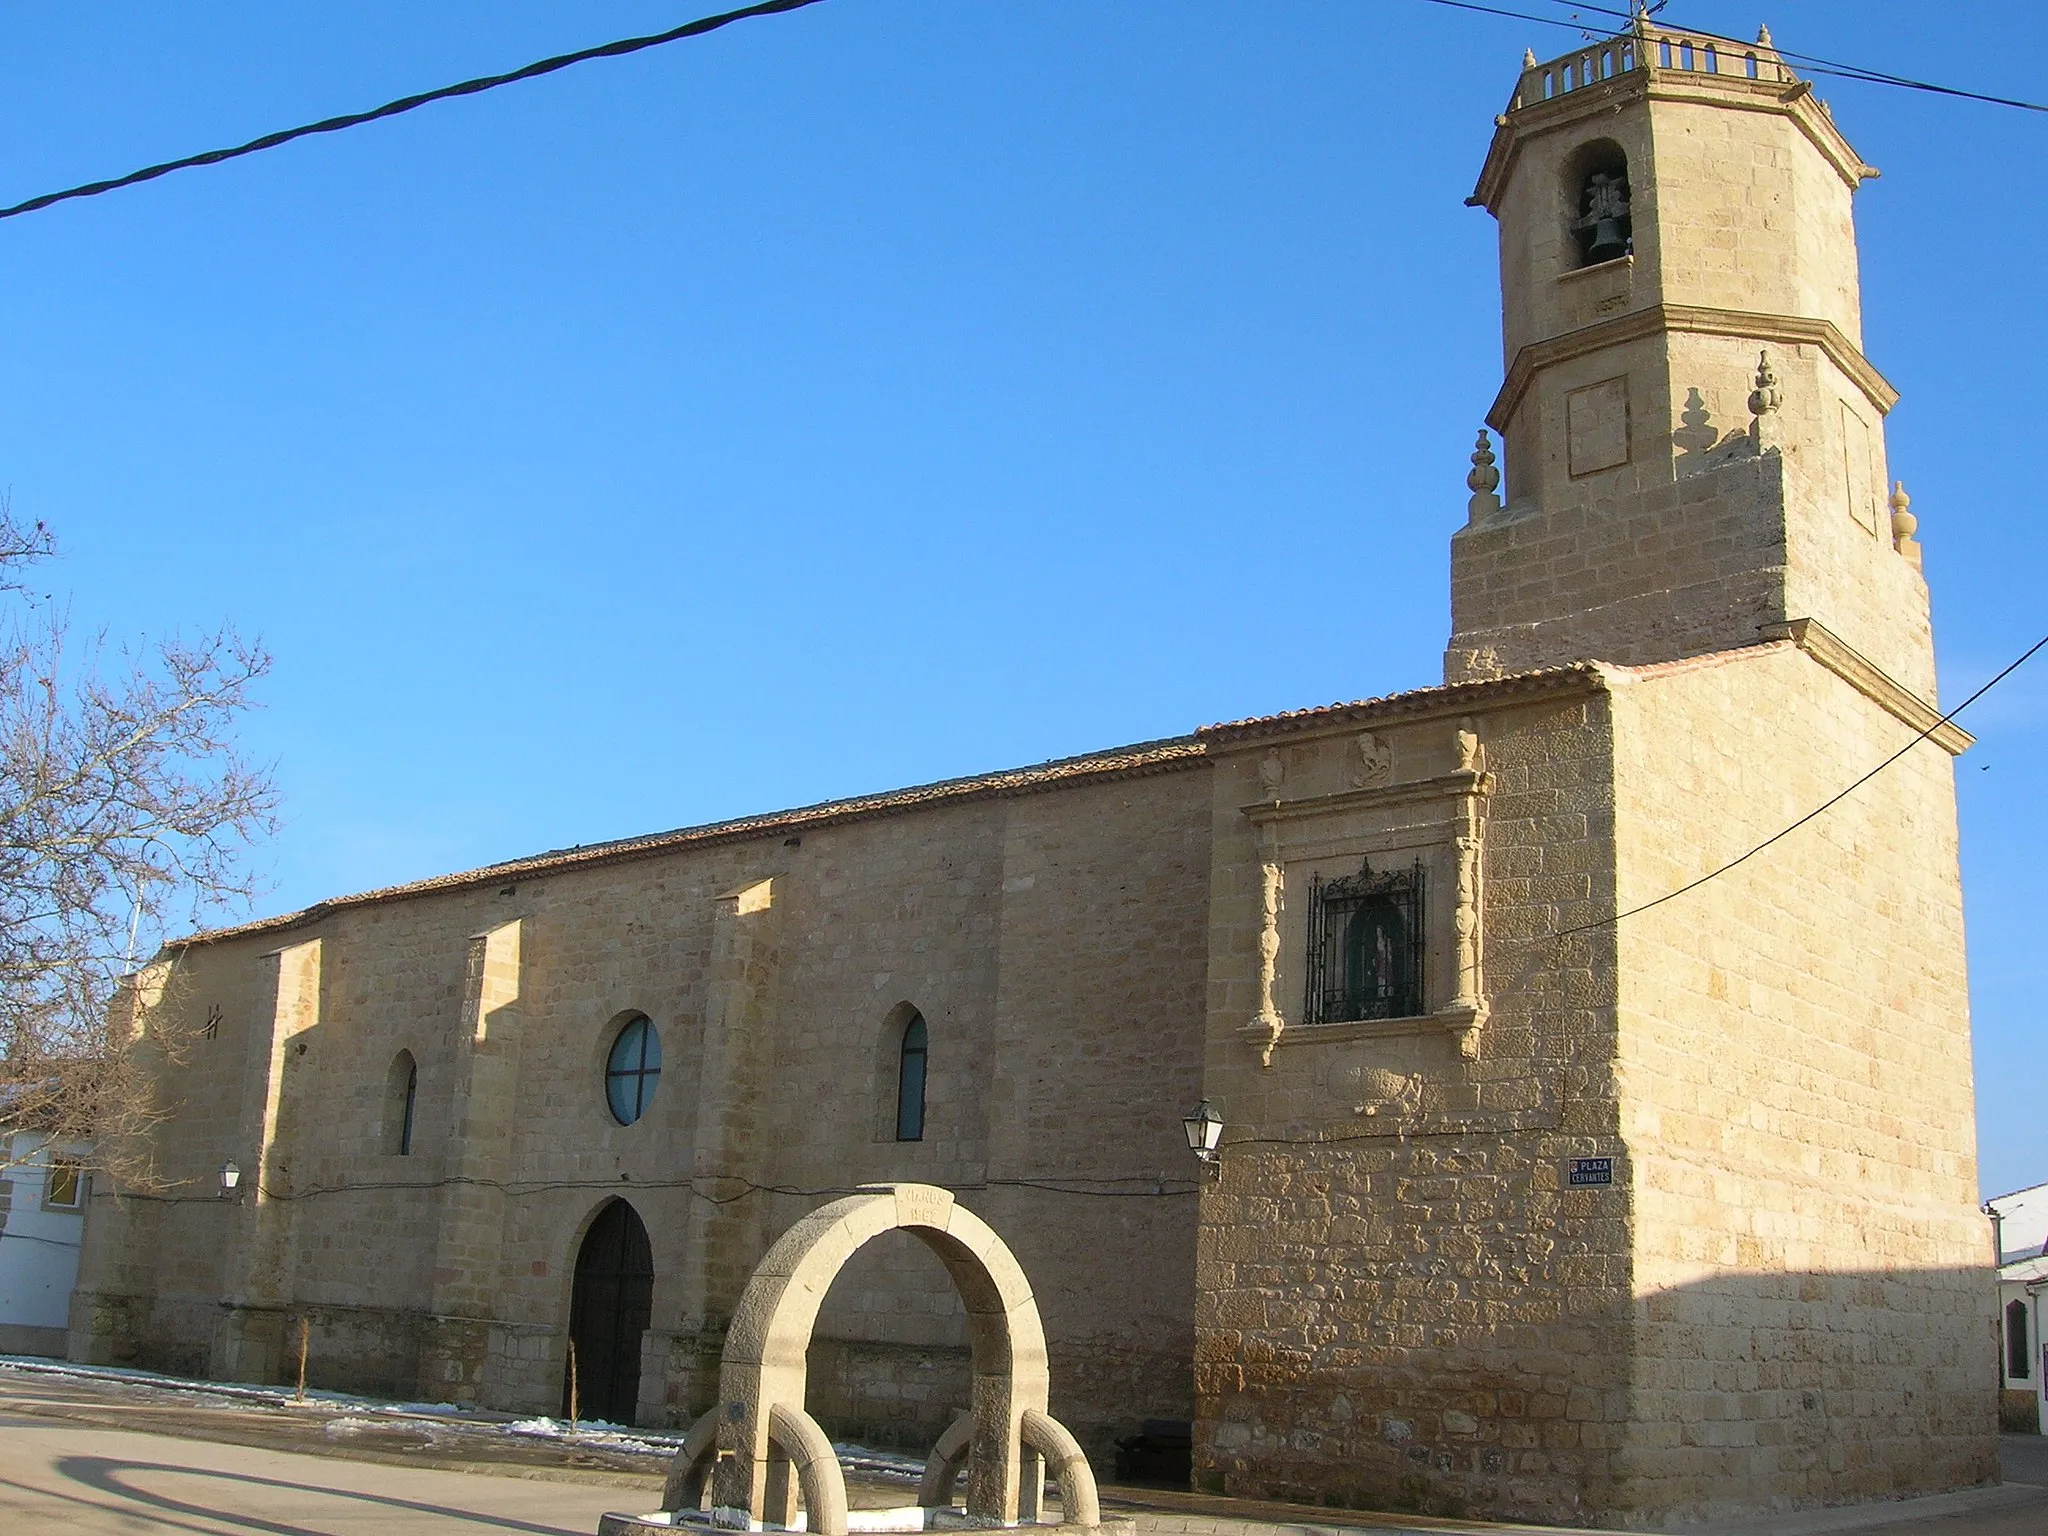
(1451,832)
(1445,1020)
(1444,786)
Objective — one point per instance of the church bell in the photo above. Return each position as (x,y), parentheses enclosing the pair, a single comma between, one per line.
(1608,241)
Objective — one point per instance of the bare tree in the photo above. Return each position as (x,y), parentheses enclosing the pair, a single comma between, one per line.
(126,816)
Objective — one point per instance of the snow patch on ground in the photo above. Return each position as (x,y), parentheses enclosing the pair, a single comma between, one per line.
(350,1424)
(598,1433)
(355,1413)
(890,1464)
(225,1394)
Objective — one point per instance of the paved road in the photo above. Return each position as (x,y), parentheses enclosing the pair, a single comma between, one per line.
(70,1463)
(108,1482)
(2024,1459)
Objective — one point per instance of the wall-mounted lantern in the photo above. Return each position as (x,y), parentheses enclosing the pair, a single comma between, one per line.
(230,1179)
(1205,1131)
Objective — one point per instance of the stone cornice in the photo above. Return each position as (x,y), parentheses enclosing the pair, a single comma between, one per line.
(1698,320)
(1444,786)
(1794,100)
(1144,760)
(1873,682)
(1443,1021)
(1447,699)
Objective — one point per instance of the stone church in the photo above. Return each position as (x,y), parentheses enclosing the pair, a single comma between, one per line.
(1538,1195)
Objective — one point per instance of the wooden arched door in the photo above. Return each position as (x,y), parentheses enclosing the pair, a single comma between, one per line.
(610,1305)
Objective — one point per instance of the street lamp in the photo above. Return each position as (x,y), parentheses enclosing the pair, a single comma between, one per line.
(230,1178)
(1205,1131)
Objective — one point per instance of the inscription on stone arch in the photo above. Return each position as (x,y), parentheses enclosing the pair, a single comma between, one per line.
(1596,426)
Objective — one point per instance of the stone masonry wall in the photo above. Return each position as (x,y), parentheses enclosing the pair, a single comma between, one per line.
(1695,563)
(1638,523)
(1814,1314)
(1399,1303)
(1052,940)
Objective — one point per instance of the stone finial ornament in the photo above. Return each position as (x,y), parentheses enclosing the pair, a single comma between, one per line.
(1528,58)
(1904,524)
(1764,401)
(1483,480)
(1765,397)
(1467,743)
(1763,35)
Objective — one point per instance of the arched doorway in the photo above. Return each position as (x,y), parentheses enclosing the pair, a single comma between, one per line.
(610,1305)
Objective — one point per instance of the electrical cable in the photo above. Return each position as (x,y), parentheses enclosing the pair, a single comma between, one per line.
(1813,63)
(1523,945)
(532,71)
(698,28)
(1819,64)
(1063,1185)
(33,1237)
(702,26)
(1821,809)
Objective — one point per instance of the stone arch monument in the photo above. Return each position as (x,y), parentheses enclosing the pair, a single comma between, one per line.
(758,1444)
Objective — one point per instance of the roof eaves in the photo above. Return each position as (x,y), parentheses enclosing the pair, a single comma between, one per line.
(1141,760)
(1441,699)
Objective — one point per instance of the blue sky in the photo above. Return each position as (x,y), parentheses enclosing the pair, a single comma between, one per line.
(894,390)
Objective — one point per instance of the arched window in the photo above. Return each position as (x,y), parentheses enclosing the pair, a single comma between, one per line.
(910,1073)
(2019,1359)
(632,1069)
(401,1095)
(1597,186)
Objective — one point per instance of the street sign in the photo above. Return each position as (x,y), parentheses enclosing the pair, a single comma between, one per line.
(1591,1170)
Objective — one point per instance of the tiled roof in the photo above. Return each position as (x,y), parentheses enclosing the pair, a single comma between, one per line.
(1141,760)
(2034,1270)
(1441,698)
(1705,662)
(1444,698)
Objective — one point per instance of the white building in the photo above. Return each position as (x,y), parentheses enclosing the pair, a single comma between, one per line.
(42,1216)
(2020,1221)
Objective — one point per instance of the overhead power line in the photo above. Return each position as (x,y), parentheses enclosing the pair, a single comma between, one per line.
(474,87)
(1812,63)
(706,24)
(1819,810)
(1615,920)
(1084,1185)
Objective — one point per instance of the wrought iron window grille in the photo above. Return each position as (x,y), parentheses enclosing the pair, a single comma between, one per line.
(1364,946)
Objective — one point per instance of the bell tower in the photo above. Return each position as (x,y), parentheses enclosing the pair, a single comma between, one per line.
(1693,438)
